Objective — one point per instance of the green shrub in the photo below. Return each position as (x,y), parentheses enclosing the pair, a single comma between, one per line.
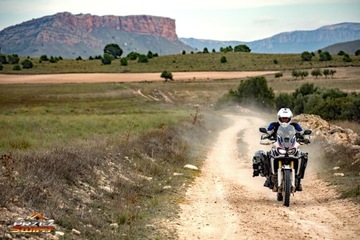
(254,91)
(123,62)
(16,67)
(27,64)
(107,58)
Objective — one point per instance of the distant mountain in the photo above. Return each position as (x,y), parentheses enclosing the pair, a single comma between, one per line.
(289,42)
(348,47)
(70,36)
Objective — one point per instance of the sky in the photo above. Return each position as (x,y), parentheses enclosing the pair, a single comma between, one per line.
(223,20)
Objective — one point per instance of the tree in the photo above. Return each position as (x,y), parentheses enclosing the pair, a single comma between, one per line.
(347,58)
(223,59)
(107,58)
(44,58)
(150,55)
(242,48)
(306,56)
(113,49)
(326,72)
(206,50)
(3,59)
(357,52)
(305,89)
(133,55)
(13,59)
(325,56)
(27,64)
(284,99)
(316,73)
(123,62)
(341,53)
(143,58)
(16,67)
(227,49)
(255,91)
(167,75)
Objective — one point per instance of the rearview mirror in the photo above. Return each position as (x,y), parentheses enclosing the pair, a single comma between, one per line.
(263,130)
(307,132)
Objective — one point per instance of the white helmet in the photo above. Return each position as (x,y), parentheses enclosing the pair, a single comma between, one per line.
(284,117)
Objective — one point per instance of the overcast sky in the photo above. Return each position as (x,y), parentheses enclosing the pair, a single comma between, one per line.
(204,19)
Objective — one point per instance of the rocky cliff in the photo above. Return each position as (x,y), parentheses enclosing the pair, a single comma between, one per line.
(142,24)
(68,35)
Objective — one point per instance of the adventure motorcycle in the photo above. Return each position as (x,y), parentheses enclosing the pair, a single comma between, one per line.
(284,165)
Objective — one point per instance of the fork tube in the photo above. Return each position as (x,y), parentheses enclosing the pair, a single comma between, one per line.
(279,174)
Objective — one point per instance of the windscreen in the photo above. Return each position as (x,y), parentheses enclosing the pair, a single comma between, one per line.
(286,136)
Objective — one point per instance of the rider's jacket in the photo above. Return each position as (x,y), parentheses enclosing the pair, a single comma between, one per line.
(273,127)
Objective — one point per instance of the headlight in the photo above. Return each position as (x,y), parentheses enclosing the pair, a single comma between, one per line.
(292,151)
(281,151)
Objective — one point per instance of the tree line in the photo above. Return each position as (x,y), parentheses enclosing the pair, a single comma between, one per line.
(328,103)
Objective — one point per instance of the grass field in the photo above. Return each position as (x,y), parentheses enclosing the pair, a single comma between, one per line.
(236,61)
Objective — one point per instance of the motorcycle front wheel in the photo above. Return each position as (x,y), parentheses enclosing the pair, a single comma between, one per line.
(287,187)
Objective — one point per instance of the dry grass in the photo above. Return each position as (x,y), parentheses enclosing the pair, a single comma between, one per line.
(100,182)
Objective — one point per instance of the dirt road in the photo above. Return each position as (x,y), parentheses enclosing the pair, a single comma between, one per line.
(123,77)
(226,202)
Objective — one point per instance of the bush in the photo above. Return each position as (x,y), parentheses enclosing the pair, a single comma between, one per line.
(316,73)
(325,56)
(27,64)
(254,91)
(16,67)
(223,59)
(143,58)
(3,59)
(106,60)
(44,58)
(123,62)
(278,75)
(242,48)
(13,59)
(306,56)
(347,58)
(284,99)
(1,66)
(166,75)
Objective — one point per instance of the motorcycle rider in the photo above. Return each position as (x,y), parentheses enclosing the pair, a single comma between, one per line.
(284,117)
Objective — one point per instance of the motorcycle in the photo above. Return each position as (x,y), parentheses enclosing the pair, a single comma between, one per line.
(284,164)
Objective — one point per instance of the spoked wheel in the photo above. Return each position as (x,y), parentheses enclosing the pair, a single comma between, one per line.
(287,187)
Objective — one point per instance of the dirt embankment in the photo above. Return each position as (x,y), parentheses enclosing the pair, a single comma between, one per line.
(226,202)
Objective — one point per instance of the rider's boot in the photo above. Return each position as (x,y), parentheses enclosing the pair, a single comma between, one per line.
(267,182)
(298,185)
(280,197)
